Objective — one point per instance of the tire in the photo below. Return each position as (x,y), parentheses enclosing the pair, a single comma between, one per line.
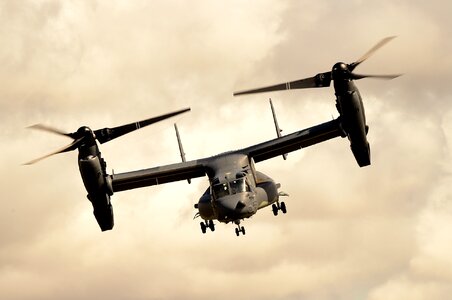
(211,225)
(237,232)
(203,227)
(283,207)
(275,210)
(243,230)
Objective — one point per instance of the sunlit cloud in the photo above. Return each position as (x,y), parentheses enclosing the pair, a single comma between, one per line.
(380,232)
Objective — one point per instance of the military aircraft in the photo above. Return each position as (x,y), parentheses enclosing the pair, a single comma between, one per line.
(348,99)
(236,189)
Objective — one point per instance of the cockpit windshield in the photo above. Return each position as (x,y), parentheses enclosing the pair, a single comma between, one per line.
(239,186)
(220,190)
(235,186)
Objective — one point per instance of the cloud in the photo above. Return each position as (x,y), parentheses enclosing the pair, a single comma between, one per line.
(379,232)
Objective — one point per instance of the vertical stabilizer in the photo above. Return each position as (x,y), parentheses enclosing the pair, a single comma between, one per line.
(278,130)
(181,149)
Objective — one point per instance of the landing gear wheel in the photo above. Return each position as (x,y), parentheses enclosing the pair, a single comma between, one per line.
(275,209)
(283,207)
(203,227)
(239,228)
(279,207)
(211,225)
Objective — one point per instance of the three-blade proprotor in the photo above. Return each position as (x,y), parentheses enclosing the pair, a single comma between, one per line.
(107,134)
(324,79)
(319,80)
(85,134)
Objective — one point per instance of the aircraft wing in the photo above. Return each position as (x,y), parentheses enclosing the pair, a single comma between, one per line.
(158,175)
(198,168)
(295,141)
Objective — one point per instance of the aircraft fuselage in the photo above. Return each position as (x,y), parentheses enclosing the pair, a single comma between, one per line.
(236,190)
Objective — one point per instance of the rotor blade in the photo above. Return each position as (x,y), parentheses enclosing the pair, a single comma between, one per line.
(107,134)
(319,80)
(70,147)
(360,76)
(371,52)
(49,129)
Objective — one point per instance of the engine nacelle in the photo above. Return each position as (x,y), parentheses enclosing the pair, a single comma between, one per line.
(361,153)
(99,188)
(353,122)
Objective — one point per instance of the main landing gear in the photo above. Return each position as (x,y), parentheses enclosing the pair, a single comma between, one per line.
(279,207)
(239,228)
(207,224)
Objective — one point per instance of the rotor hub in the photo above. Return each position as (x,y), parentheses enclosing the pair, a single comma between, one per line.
(85,132)
(341,71)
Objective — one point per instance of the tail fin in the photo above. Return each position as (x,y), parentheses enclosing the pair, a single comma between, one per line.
(181,149)
(278,130)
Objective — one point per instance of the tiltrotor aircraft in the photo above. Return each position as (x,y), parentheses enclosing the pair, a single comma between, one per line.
(236,189)
(348,99)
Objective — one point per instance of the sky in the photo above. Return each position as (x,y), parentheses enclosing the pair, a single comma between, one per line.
(379,232)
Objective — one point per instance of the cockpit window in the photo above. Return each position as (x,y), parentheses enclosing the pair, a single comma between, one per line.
(239,186)
(220,190)
(235,186)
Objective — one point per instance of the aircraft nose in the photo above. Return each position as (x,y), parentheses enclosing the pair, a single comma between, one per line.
(233,207)
(233,203)
(230,203)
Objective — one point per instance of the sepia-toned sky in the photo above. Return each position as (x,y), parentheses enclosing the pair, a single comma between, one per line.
(383,232)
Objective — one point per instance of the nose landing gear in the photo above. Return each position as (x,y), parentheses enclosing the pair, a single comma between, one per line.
(207,224)
(279,207)
(239,228)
